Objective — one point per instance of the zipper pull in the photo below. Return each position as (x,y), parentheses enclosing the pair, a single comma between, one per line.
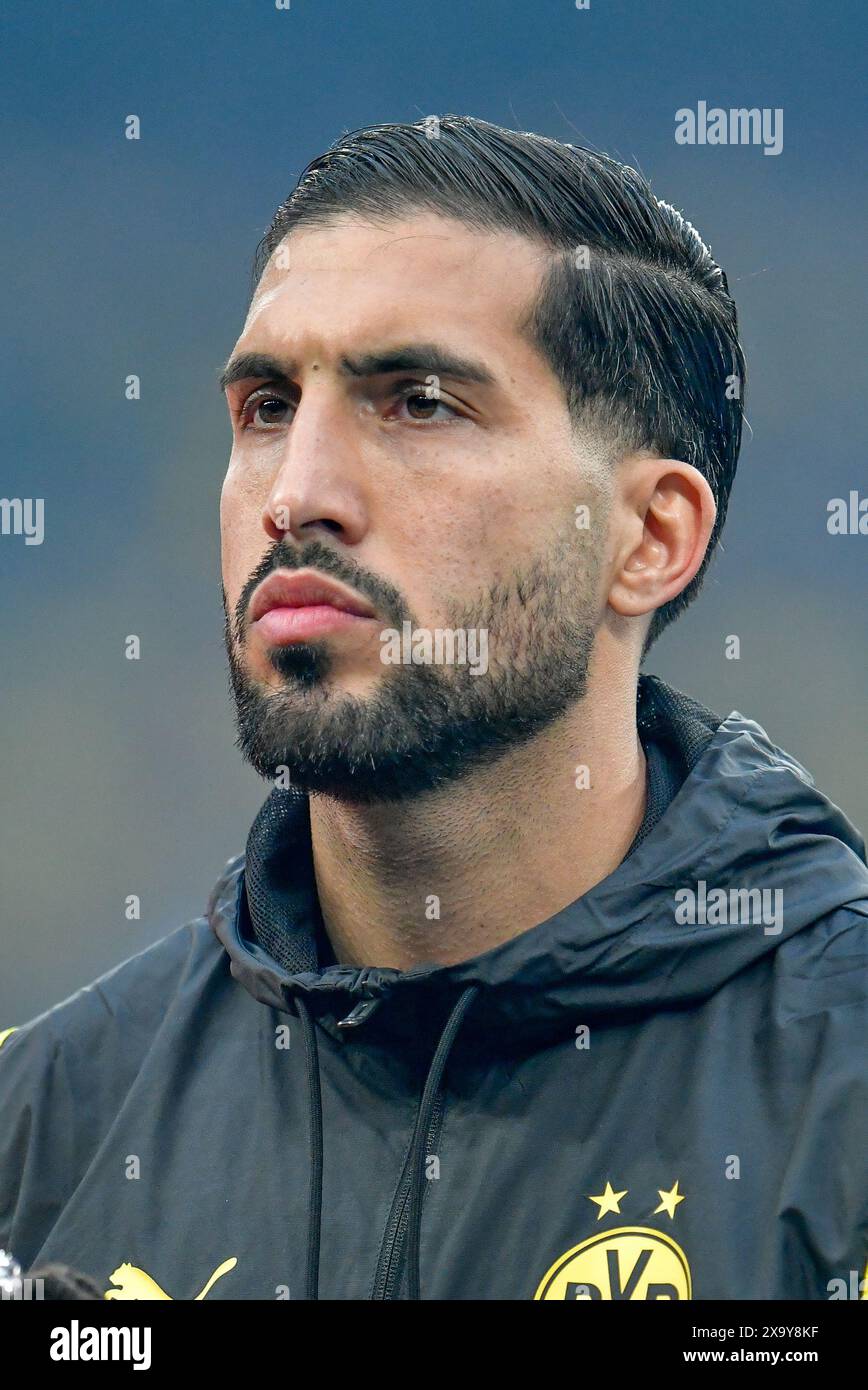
(360,1014)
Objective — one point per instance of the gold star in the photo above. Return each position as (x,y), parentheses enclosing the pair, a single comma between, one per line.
(608,1200)
(669,1200)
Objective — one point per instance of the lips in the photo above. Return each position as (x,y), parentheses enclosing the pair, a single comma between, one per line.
(304,606)
(304,589)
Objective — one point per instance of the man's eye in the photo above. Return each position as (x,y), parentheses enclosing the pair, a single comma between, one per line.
(422,406)
(262,411)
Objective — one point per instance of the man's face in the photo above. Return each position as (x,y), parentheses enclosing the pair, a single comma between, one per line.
(406,440)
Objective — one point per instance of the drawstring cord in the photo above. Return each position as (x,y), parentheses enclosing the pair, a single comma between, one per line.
(417,1148)
(423,1120)
(314,1209)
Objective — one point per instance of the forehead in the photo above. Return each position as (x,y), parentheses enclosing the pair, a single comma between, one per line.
(348,281)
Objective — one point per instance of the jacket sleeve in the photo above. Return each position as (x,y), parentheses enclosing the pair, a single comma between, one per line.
(35,1116)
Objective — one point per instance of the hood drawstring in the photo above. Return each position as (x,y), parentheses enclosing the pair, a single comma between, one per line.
(314,1100)
(420,1134)
(417,1147)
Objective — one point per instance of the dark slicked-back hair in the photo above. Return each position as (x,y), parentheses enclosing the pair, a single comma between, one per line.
(633,315)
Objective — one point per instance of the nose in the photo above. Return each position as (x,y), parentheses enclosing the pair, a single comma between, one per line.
(318,484)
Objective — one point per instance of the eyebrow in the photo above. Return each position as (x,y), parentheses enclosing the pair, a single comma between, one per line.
(408,357)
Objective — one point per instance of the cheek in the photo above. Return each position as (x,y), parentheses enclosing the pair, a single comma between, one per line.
(242,539)
(505,526)
(453,544)
(462,526)
(229,505)
(228,526)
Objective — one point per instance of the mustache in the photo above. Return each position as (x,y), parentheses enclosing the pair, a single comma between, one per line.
(387,600)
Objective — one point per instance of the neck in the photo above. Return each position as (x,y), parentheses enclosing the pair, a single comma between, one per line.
(456,872)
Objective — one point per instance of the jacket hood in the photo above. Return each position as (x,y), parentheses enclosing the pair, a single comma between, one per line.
(747,855)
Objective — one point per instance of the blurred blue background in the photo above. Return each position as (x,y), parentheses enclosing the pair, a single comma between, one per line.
(125,257)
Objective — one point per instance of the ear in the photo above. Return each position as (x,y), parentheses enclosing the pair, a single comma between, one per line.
(664,523)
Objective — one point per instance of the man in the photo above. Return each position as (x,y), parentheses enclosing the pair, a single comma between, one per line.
(537,978)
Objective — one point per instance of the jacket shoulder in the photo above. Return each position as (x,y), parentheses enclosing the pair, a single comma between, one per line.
(65,1073)
(823,970)
(135,993)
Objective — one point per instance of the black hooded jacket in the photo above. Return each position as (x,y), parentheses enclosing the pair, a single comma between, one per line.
(657,1093)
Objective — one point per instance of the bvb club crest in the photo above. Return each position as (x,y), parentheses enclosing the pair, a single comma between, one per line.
(634,1263)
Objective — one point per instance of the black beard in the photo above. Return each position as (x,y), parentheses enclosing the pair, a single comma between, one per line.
(425,726)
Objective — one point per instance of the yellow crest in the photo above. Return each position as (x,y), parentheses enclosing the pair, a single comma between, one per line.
(633,1263)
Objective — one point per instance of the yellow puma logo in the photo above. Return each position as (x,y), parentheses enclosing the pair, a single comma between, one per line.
(134,1283)
(5,1034)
